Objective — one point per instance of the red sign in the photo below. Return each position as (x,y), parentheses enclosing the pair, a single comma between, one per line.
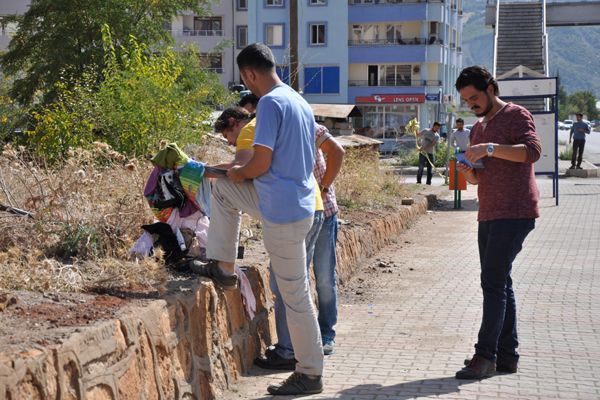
(391,98)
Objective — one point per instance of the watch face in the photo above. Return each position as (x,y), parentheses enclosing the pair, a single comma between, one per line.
(490,149)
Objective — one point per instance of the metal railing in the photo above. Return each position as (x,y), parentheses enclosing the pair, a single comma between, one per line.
(188,32)
(396,42)
(218,70)
(407,82)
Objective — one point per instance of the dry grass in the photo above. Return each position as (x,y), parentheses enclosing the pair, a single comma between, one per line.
(361,184)
(87,213)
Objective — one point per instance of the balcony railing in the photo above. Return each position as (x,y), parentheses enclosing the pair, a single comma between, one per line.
(218,70)
(413,83)
(188,32)
(396,42)
(379,2)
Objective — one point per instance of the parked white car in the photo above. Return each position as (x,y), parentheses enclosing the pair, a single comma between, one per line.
(568,123)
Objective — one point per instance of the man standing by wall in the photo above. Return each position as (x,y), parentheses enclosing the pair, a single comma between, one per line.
(507,143)
(578,132)
(322,254)
(276,186)
(427,139)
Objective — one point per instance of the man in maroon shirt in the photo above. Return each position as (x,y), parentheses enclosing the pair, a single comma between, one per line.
(507,143)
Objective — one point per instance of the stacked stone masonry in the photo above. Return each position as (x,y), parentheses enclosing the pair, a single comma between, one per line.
(190,345)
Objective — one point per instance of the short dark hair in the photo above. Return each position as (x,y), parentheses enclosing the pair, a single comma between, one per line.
(437,124)
(579,114)
(257,56)
(249,99)
(460,120)
(477,76)
(237,113)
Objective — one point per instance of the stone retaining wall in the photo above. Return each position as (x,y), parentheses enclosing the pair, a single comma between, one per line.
(189,345)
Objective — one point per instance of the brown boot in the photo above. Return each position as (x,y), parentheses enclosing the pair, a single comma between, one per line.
(478,368)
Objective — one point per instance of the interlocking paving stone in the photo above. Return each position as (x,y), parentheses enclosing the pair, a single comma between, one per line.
(412,337)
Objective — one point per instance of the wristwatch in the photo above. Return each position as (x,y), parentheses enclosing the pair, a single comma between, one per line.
(324,189)
(490,150)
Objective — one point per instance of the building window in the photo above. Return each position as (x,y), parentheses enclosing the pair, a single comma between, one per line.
(213,62)
(394,75)
(241,37)
(317,2)
(208,26)
(317,34)
(242,4)
(273,3)
(321,80)
(274,35)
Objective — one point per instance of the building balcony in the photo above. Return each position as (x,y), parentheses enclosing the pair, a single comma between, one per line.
(397,42)
(394,53)
(217,70)
(401,10)
(384,2)
(408,82)
(189,32)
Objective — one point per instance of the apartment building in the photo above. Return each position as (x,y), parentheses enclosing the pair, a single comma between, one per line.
(218,36)
(7,30)
(395,59)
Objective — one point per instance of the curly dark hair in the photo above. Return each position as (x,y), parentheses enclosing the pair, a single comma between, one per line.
(477,76)
(237,113)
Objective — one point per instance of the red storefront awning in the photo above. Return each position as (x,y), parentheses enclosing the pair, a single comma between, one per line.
(391,98)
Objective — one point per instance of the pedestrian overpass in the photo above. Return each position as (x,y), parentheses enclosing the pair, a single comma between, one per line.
(521,39)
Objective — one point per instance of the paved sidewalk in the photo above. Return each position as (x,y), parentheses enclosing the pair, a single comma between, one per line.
(406,336)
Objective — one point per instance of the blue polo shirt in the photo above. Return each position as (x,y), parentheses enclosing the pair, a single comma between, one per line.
(579,130)
(285,124)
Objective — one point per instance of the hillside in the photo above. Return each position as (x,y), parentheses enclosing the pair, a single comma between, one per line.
(574,51)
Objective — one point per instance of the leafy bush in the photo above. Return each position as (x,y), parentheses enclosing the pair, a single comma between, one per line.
(567,153)
(145,97)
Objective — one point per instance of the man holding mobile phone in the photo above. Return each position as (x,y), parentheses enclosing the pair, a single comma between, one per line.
(505,140)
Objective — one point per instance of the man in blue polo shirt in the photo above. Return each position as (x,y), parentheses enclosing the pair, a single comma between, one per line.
(276,186)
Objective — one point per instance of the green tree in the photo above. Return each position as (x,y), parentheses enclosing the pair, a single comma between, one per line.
(583,102)
(60,41)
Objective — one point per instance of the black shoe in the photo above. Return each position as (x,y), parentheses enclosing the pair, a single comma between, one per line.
(572,167)
(297,383)
(509,367)
(478,368)
(578,168)
(272,360)
(212,270)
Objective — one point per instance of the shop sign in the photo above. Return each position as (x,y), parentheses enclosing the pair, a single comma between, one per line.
(432,97)
(391,98)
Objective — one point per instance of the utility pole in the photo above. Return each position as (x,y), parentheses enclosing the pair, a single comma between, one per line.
(293,72)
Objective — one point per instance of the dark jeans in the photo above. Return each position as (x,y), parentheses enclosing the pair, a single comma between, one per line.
(578,145)
(422,163)
(499,243)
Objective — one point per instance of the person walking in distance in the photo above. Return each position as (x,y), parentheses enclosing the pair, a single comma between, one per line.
(578,132)
(506,141)
(427,139)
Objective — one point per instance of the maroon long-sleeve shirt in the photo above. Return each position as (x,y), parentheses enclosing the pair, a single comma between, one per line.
(507,189)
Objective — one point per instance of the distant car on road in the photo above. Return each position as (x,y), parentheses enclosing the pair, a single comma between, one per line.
(568,123)
(561,125)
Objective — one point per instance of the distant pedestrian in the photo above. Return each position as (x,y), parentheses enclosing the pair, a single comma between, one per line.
(507,143)
(427,139)
(460,136)
(578,132)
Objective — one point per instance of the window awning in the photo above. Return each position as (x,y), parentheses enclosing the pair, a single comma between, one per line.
(336,110)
